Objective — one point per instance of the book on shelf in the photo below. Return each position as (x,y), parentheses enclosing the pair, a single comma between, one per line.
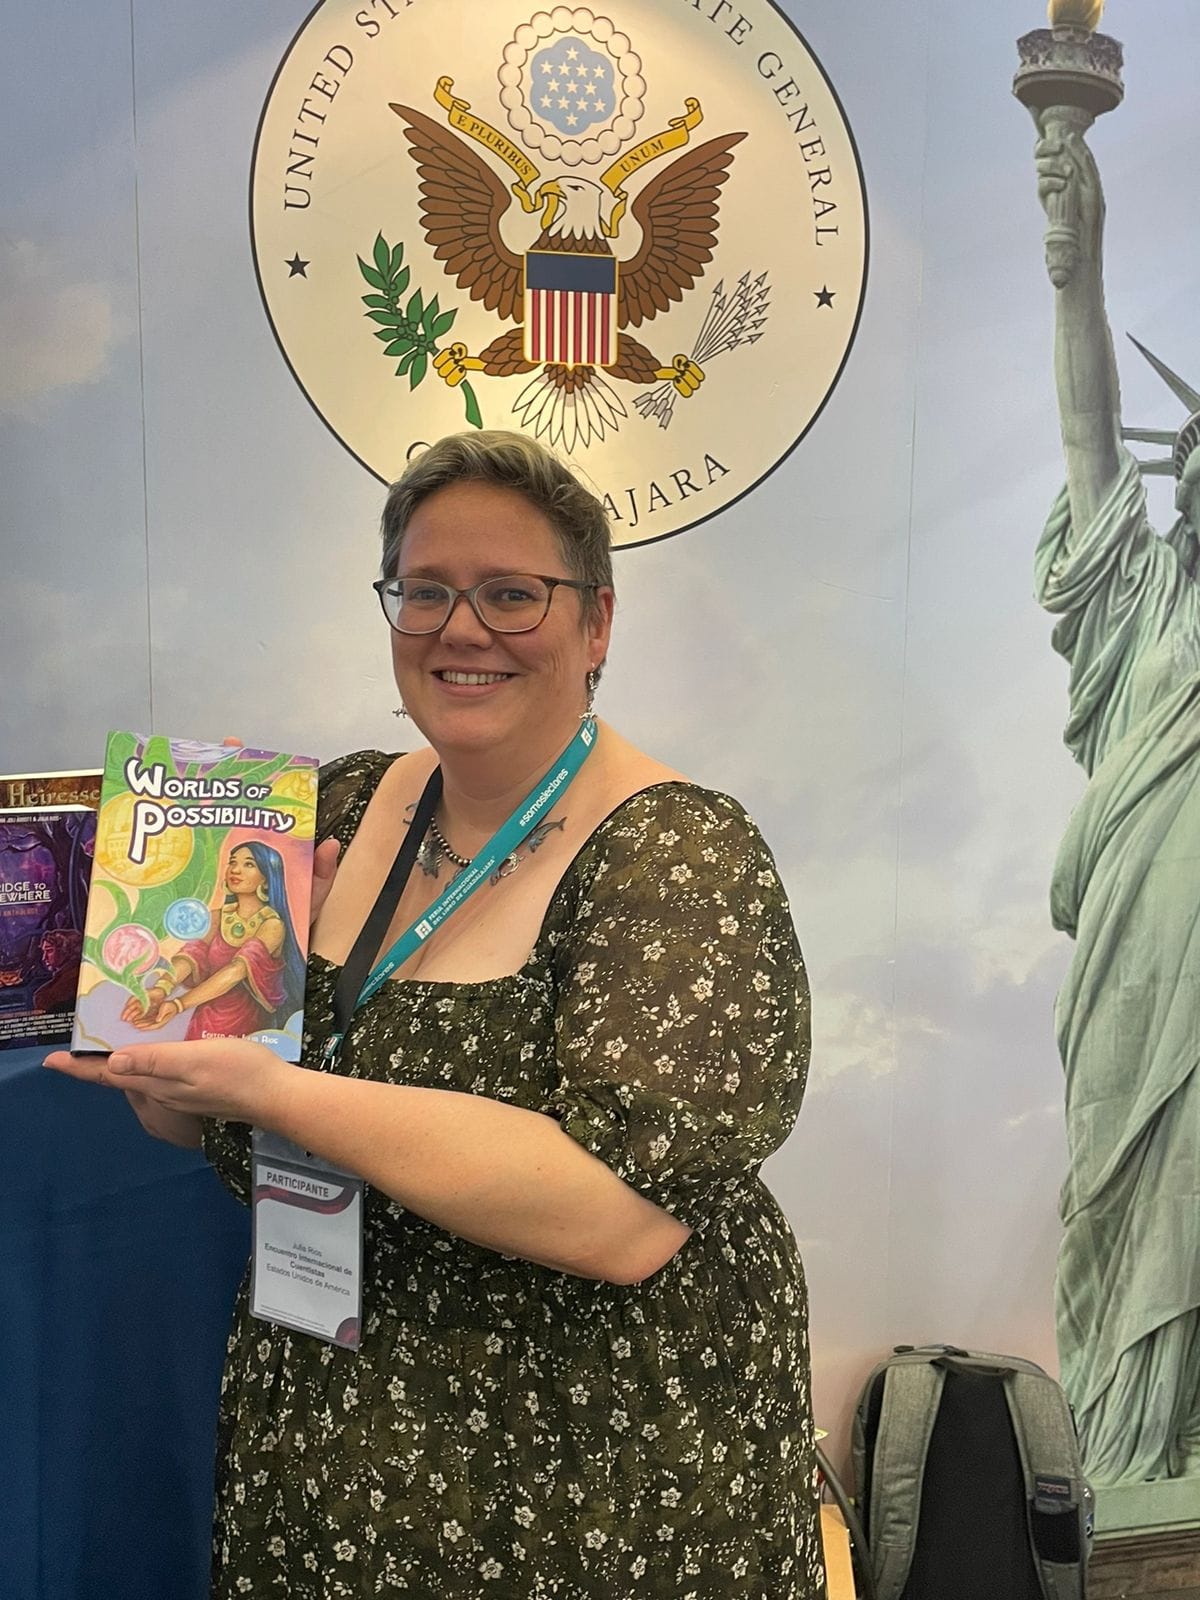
(197,919)
(25,790)
(45,866)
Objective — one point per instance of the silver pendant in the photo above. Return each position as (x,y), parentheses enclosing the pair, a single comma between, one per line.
(506,868)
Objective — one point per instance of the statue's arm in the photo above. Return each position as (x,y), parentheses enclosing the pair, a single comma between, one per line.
(1089,396)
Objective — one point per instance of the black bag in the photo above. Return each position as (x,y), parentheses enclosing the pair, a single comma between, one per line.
(969,1480)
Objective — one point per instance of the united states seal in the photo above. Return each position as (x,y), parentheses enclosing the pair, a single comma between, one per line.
(639,236)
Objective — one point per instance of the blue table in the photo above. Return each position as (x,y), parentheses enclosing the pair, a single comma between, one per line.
(119,1259)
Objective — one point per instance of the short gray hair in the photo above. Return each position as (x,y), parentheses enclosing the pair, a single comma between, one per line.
(513,461)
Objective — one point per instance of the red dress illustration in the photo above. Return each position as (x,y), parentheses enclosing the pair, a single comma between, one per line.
(246,974)
(255,1001)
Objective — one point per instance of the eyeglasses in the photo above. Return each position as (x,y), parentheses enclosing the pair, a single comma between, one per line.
(516,604)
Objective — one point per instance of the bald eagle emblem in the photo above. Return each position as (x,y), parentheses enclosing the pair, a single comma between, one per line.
(571,302)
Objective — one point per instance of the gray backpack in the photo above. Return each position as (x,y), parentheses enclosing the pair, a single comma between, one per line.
(968,1479)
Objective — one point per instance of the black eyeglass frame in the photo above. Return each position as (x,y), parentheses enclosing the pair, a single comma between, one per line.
(471,596)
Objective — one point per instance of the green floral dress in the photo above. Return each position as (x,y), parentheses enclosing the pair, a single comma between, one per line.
(507,1432)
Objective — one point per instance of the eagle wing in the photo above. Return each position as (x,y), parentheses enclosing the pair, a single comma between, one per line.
(678,216)
(462,201)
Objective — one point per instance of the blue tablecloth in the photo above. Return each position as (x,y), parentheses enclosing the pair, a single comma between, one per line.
(119,1259)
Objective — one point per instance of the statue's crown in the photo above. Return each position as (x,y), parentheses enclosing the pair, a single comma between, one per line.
(1185,440)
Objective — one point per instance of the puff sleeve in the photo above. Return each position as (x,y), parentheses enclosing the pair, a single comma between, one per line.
(682,1029)
(344,789)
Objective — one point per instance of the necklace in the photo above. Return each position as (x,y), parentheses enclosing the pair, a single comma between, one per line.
(231,919)
(434,847)
(444,849)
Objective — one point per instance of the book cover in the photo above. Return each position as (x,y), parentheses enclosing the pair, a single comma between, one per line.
(45,864)
(24,790)
(197,919)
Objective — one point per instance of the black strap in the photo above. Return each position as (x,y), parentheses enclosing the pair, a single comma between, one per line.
(358,963)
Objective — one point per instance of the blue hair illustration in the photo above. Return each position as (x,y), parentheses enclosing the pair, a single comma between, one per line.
(270,864)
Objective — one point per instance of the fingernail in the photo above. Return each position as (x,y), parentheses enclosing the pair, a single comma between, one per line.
(120,1064)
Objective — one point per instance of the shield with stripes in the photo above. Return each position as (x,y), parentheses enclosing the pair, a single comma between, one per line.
(570,308)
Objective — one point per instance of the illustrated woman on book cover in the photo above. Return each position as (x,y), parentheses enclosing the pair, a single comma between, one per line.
(247,972)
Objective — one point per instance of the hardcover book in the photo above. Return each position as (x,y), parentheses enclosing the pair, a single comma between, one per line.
(45,864)
(28,789)
(197,920)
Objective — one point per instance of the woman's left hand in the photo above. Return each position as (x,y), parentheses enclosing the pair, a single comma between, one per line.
(157,1017)
(232,1078)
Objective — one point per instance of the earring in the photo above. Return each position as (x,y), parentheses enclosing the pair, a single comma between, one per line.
(400,711)
(592,680)
(263,893)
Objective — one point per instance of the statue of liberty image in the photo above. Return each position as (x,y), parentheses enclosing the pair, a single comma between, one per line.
(1126,882)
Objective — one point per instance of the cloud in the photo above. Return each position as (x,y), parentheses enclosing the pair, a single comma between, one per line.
(59,333)
(853,1033)
(78,653)
(1051,1113)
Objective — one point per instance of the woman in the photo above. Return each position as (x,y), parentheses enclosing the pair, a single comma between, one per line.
(248,972)
(584,1364)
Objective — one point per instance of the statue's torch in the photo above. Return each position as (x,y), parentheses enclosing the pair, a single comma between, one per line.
(1068,76)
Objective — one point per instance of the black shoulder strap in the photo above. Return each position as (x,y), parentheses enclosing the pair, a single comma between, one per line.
(358,963)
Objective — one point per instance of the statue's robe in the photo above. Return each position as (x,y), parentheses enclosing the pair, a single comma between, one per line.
(1127,888)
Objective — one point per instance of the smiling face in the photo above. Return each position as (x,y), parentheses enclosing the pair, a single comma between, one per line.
(524,689)
(242,874)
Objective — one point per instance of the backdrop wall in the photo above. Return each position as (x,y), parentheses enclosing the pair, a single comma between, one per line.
(852,648)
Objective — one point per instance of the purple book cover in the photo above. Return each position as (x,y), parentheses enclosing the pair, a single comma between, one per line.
(45,867)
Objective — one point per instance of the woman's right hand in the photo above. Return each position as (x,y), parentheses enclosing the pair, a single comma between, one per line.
(157,1016)
(133,1009)
(325,860)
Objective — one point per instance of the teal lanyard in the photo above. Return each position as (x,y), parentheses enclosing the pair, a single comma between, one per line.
(544,794)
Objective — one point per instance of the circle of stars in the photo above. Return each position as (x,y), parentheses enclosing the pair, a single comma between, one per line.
(565,84)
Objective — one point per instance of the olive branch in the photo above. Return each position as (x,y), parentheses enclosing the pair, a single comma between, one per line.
(411,332)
